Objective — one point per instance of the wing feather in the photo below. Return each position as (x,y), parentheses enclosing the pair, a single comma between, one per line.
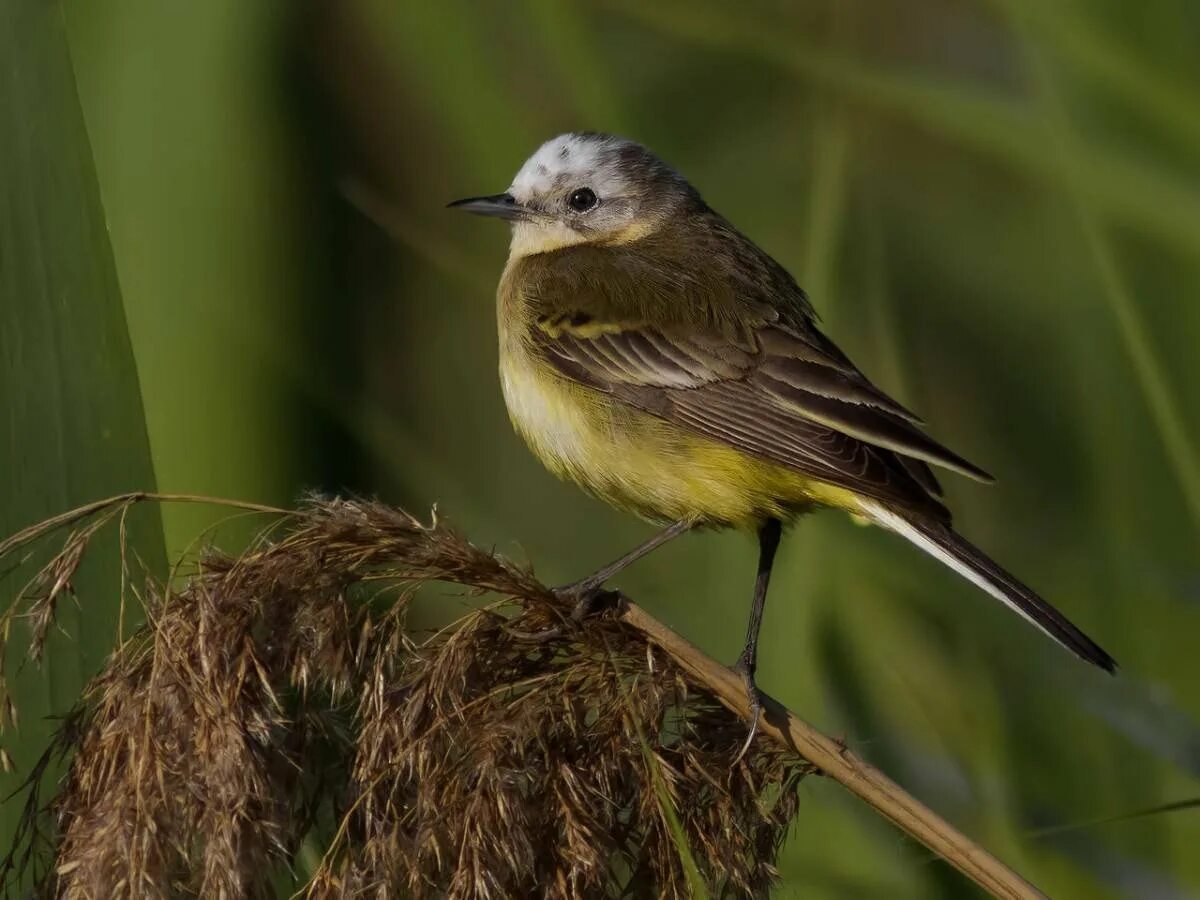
(869,423)
(751,371)
(815,378)
(919,470)
(732,414)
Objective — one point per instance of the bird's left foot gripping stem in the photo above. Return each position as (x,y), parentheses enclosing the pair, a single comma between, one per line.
(587,600)
(589,596)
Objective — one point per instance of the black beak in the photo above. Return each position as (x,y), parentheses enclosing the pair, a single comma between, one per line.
(499,206)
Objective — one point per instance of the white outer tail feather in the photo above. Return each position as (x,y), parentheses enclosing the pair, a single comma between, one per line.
(897,523)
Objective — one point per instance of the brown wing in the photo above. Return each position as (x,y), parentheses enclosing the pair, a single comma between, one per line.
(705,330)
(777,395)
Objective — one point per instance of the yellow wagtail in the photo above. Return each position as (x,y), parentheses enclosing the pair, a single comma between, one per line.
(655,356)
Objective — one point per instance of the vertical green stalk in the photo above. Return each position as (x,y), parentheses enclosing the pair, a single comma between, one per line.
(1152,382)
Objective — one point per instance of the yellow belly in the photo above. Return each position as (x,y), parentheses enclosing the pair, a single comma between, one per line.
(638,462)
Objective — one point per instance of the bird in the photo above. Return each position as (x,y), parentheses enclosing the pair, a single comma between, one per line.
(655,356)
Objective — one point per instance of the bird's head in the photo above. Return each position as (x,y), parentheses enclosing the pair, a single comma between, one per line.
(586,189)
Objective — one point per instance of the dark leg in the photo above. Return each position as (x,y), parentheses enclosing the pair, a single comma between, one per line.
(768,543)
(583,587)
(588,593)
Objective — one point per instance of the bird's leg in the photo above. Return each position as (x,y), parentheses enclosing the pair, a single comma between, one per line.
(579,590)
(588,594)
(768,542)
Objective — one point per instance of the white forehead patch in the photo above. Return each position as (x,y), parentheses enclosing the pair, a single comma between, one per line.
(569,157)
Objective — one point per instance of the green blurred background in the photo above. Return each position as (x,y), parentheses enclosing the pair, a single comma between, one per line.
(994,204)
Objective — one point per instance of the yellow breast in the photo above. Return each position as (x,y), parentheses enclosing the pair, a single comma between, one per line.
(638,462)
(631,459)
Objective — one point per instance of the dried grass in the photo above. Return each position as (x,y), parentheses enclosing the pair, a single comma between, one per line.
(277,699)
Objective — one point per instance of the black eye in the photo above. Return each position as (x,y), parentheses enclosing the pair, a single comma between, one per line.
(582,200)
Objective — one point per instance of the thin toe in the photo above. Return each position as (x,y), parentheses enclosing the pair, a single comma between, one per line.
(586,600)
(755,700)
(585,603)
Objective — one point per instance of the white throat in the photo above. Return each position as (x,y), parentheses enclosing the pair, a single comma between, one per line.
(529,238)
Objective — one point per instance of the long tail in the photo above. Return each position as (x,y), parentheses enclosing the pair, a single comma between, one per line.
(941,542)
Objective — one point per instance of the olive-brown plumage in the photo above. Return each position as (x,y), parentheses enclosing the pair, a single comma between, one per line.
(653,354)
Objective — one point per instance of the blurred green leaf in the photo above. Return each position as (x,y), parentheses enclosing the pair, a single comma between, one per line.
(666,806)
(445,47)
(71,405)
(1173,107)
(670,815)
(1158,810)
(566,38)
(976,117)
(827,206)
(209,198)
(1067,148)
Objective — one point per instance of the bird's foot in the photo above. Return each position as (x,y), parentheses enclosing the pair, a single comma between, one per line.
(587,600)
(746,667)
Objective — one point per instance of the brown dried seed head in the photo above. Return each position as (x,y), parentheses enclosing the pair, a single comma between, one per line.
(275,711)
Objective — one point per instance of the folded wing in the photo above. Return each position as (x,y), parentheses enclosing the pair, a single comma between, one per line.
(773,393)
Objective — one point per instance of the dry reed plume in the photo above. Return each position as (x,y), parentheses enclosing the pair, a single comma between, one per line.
(276,700)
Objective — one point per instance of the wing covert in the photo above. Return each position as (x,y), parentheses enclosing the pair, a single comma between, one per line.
(757,376)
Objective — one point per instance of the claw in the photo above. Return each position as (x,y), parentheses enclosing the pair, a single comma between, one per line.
(755,698)
(589,601)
